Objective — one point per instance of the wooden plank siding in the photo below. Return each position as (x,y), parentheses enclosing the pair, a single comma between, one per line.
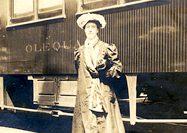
(46,45)
(150,39)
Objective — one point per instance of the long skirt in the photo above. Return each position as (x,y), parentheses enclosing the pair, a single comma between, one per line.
(89,121)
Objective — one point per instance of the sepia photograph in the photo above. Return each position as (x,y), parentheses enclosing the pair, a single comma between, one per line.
(93,66)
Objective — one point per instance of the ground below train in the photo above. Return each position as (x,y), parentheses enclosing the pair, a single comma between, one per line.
(165,98)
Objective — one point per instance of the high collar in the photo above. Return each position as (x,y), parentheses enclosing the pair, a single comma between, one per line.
(91,42)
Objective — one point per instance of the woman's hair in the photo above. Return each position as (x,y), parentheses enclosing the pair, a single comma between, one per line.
(94,21)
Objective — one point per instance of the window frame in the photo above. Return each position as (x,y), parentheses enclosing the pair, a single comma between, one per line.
(120,4)
(36,17)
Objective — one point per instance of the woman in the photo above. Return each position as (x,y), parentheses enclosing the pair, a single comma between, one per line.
(96,109)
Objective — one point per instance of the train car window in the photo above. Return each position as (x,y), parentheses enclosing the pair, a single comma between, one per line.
(31,11)
(85,6)
(22,8)
(47,8)
(48,4)
(94,4)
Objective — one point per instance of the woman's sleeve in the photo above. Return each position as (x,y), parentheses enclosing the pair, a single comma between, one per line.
(115,66)
(77,58)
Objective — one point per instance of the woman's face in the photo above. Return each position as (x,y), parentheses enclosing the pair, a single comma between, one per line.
(91,30)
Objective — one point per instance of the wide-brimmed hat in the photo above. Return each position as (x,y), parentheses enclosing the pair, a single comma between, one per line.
(85,18)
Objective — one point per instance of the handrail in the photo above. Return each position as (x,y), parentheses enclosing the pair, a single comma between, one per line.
(157,120)
(55,113)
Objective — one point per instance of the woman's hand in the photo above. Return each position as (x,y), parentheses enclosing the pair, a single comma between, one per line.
(101,64)
(94,73)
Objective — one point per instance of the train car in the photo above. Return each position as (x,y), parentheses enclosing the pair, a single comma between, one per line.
(38,38)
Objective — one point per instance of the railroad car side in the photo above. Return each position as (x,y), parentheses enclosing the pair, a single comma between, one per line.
(39,42)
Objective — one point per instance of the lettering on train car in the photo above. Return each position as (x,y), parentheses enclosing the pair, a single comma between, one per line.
(47,47)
